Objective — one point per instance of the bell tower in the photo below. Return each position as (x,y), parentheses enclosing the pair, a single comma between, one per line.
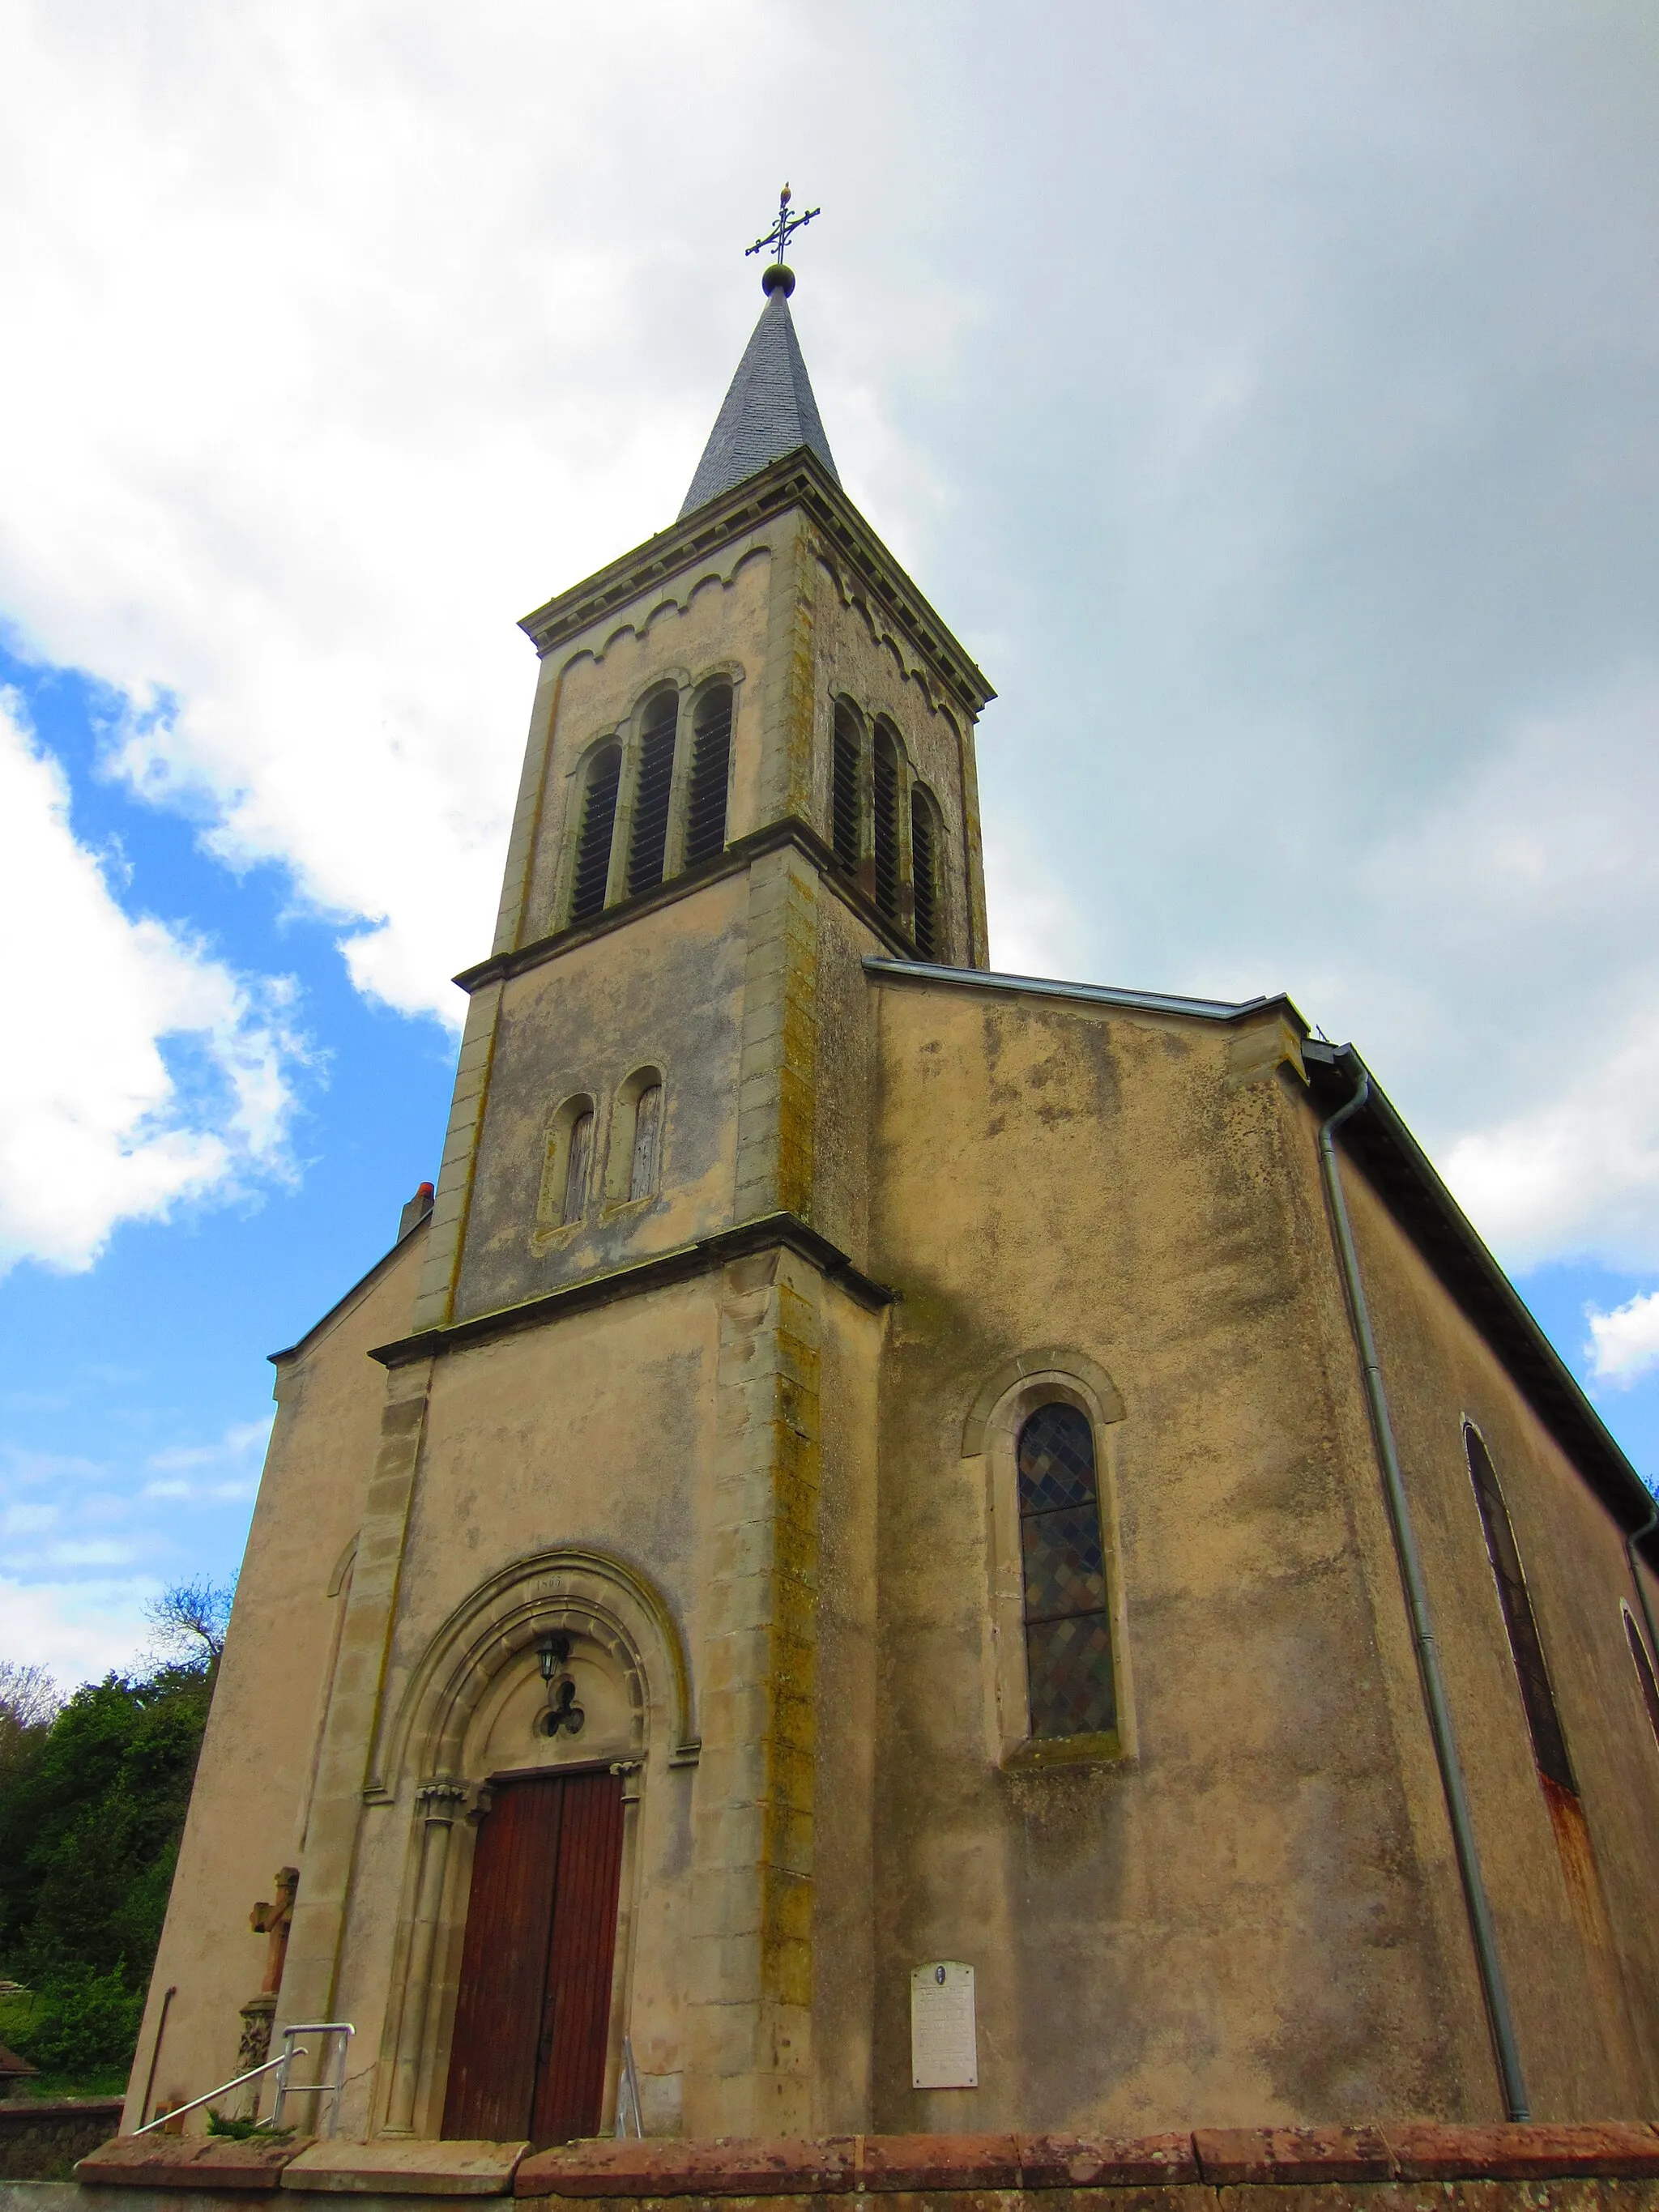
(749,763)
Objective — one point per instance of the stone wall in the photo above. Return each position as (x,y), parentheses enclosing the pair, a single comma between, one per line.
(1411,2168)
(41,2137)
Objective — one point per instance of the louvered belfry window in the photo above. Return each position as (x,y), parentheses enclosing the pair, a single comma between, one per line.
(924,864)
(711,754)
(1068,1633)
(592,867)
(656,779)
(886,794)
(844,789)
(1549,1744)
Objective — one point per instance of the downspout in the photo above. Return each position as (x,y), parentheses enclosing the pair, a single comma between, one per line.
(1635,1537)
(1492,1989)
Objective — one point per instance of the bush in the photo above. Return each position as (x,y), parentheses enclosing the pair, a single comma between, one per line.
(82,2023)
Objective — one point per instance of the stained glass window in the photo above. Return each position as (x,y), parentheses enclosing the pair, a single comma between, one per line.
(1644,1674)
(1549,1744)
(1068,1631)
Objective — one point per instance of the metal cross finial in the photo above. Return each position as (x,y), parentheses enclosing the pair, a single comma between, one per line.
(782,230)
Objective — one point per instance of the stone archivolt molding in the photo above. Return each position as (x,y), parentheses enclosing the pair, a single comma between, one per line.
(594,1594)
(1059,1364)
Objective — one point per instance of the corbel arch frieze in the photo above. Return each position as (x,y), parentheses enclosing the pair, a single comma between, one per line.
(883,631)
(594,1593)
(674,598)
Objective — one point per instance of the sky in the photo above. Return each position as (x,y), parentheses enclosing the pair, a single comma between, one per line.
(1264,393)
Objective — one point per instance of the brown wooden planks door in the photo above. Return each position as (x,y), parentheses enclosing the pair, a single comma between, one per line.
(532,2014)
(576,2008)
(509,1917)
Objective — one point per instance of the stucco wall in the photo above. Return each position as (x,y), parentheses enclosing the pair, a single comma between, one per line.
(1572,1889)
(666,993)
(1232,1921)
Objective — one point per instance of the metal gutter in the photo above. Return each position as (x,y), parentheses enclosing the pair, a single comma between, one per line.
(1409,1561)
(1102,995)
(1390,1158)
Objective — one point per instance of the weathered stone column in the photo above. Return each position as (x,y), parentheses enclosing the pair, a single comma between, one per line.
(354,1708)
(439,1802)
(751,2054)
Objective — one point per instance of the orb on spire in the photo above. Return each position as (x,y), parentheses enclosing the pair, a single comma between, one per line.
(778,274)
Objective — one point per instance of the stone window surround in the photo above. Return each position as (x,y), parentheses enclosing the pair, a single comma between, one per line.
(551,1227)
(612,1160)
(629,732)
(616,1185)
(991,1434)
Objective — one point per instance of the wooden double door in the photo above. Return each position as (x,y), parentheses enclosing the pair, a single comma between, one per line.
(533,2013)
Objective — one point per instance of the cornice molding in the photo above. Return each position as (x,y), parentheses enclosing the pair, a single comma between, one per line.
(798,480)
(772,1232)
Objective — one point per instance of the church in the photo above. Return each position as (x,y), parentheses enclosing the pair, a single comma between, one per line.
(896,1547)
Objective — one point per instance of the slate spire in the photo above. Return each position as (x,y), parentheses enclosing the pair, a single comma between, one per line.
(769,410)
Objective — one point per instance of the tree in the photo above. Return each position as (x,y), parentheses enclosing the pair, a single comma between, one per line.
(92,1807)
(28,1696)
(191,1617)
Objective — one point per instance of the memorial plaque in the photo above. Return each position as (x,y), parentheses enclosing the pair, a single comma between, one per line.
(943,2041)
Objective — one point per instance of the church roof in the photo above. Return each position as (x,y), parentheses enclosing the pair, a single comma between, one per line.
(769,411)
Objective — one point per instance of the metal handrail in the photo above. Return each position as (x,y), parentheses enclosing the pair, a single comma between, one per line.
(282,2065)
(285,2088)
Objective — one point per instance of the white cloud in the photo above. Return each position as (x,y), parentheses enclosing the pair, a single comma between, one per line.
(1303,501)
(242,1446)
(1624,1343)
(142,1073)
(242,1441)
(76,1631)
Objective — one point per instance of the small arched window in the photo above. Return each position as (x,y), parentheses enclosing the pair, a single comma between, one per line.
(566,1165)
(1638,1652)
(577,1166)
(646,1167)
(886,799)
(845,811)
(1068,1630)
(591,872)
(649,841)
(1549,1744)
(711,757)
(924,864)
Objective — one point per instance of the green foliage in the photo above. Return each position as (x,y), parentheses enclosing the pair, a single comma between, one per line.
(83,2024)
(92,1806)
(244,2128)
